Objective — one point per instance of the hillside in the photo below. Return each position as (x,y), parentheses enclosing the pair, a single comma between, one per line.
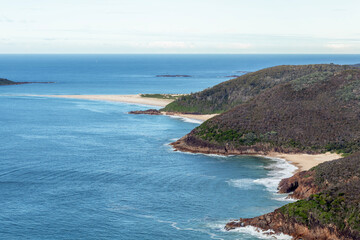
(330,208)
(227,95)
(316,113)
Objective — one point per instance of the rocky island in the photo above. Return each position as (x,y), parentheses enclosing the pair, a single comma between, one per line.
(167,75)
(5,82)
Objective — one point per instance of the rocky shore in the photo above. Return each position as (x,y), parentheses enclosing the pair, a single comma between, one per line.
(148,112)
(278,223)
(328,208)
(315,215)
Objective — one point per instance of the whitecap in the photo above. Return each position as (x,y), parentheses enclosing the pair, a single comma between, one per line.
(256,232)
(243,183)
(185,119)
(278,170)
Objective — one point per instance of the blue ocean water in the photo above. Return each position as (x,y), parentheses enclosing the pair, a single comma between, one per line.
(77,169)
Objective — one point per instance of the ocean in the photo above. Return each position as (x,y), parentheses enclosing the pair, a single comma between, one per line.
(79,169)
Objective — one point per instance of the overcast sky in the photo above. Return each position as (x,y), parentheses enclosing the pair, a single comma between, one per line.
(179,26)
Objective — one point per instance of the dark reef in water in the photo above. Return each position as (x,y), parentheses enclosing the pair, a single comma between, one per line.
(173,76)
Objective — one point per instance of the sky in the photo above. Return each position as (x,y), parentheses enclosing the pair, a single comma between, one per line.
(180,26)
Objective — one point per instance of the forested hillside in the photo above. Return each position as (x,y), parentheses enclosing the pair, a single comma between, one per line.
(227,95)
(315,113)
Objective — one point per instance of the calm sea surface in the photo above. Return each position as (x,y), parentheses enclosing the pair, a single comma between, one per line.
(77,169)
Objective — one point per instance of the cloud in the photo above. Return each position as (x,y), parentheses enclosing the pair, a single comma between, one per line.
(234,45)
(166,45)
(336,45)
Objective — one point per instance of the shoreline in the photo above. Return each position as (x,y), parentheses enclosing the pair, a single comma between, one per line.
(135,99)
(303,161)
(132,98)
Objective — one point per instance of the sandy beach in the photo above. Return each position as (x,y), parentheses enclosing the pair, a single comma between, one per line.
(201,117)
(136,99)
(305,161)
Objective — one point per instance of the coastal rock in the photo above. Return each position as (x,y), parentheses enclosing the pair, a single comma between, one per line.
(300,186)
(329,208)
(278,223)
(148,112)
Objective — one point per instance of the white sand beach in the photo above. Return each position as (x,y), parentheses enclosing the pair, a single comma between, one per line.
(119,98)
(136,99)
(306,161)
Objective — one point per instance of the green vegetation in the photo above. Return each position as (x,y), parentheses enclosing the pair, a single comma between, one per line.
(315,113)
(161,96)
(326,209)
(337,203)
(229,94)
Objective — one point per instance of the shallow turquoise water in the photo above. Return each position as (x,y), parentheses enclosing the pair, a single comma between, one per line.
(76,169)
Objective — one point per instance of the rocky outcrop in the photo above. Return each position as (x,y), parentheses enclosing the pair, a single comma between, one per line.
(148,112)
(300,186)
(278,223)
(329,207)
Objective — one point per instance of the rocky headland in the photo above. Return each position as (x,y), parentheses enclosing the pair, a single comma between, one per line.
(309,109)
(329,207)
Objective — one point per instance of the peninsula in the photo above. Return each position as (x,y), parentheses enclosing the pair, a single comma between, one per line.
(158,100)
(310,110)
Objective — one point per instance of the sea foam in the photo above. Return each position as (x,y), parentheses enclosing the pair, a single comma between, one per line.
(256,232)
(185,119)
(278,170)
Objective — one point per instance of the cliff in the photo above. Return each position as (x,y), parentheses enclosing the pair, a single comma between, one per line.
(330,208)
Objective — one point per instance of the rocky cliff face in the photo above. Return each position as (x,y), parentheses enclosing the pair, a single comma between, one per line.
(330,205)
(281,223)
(299,186)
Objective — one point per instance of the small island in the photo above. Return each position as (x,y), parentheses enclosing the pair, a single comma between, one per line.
(173,76)
(7,82)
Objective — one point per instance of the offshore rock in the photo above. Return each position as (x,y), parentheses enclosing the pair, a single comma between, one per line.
(148,112)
